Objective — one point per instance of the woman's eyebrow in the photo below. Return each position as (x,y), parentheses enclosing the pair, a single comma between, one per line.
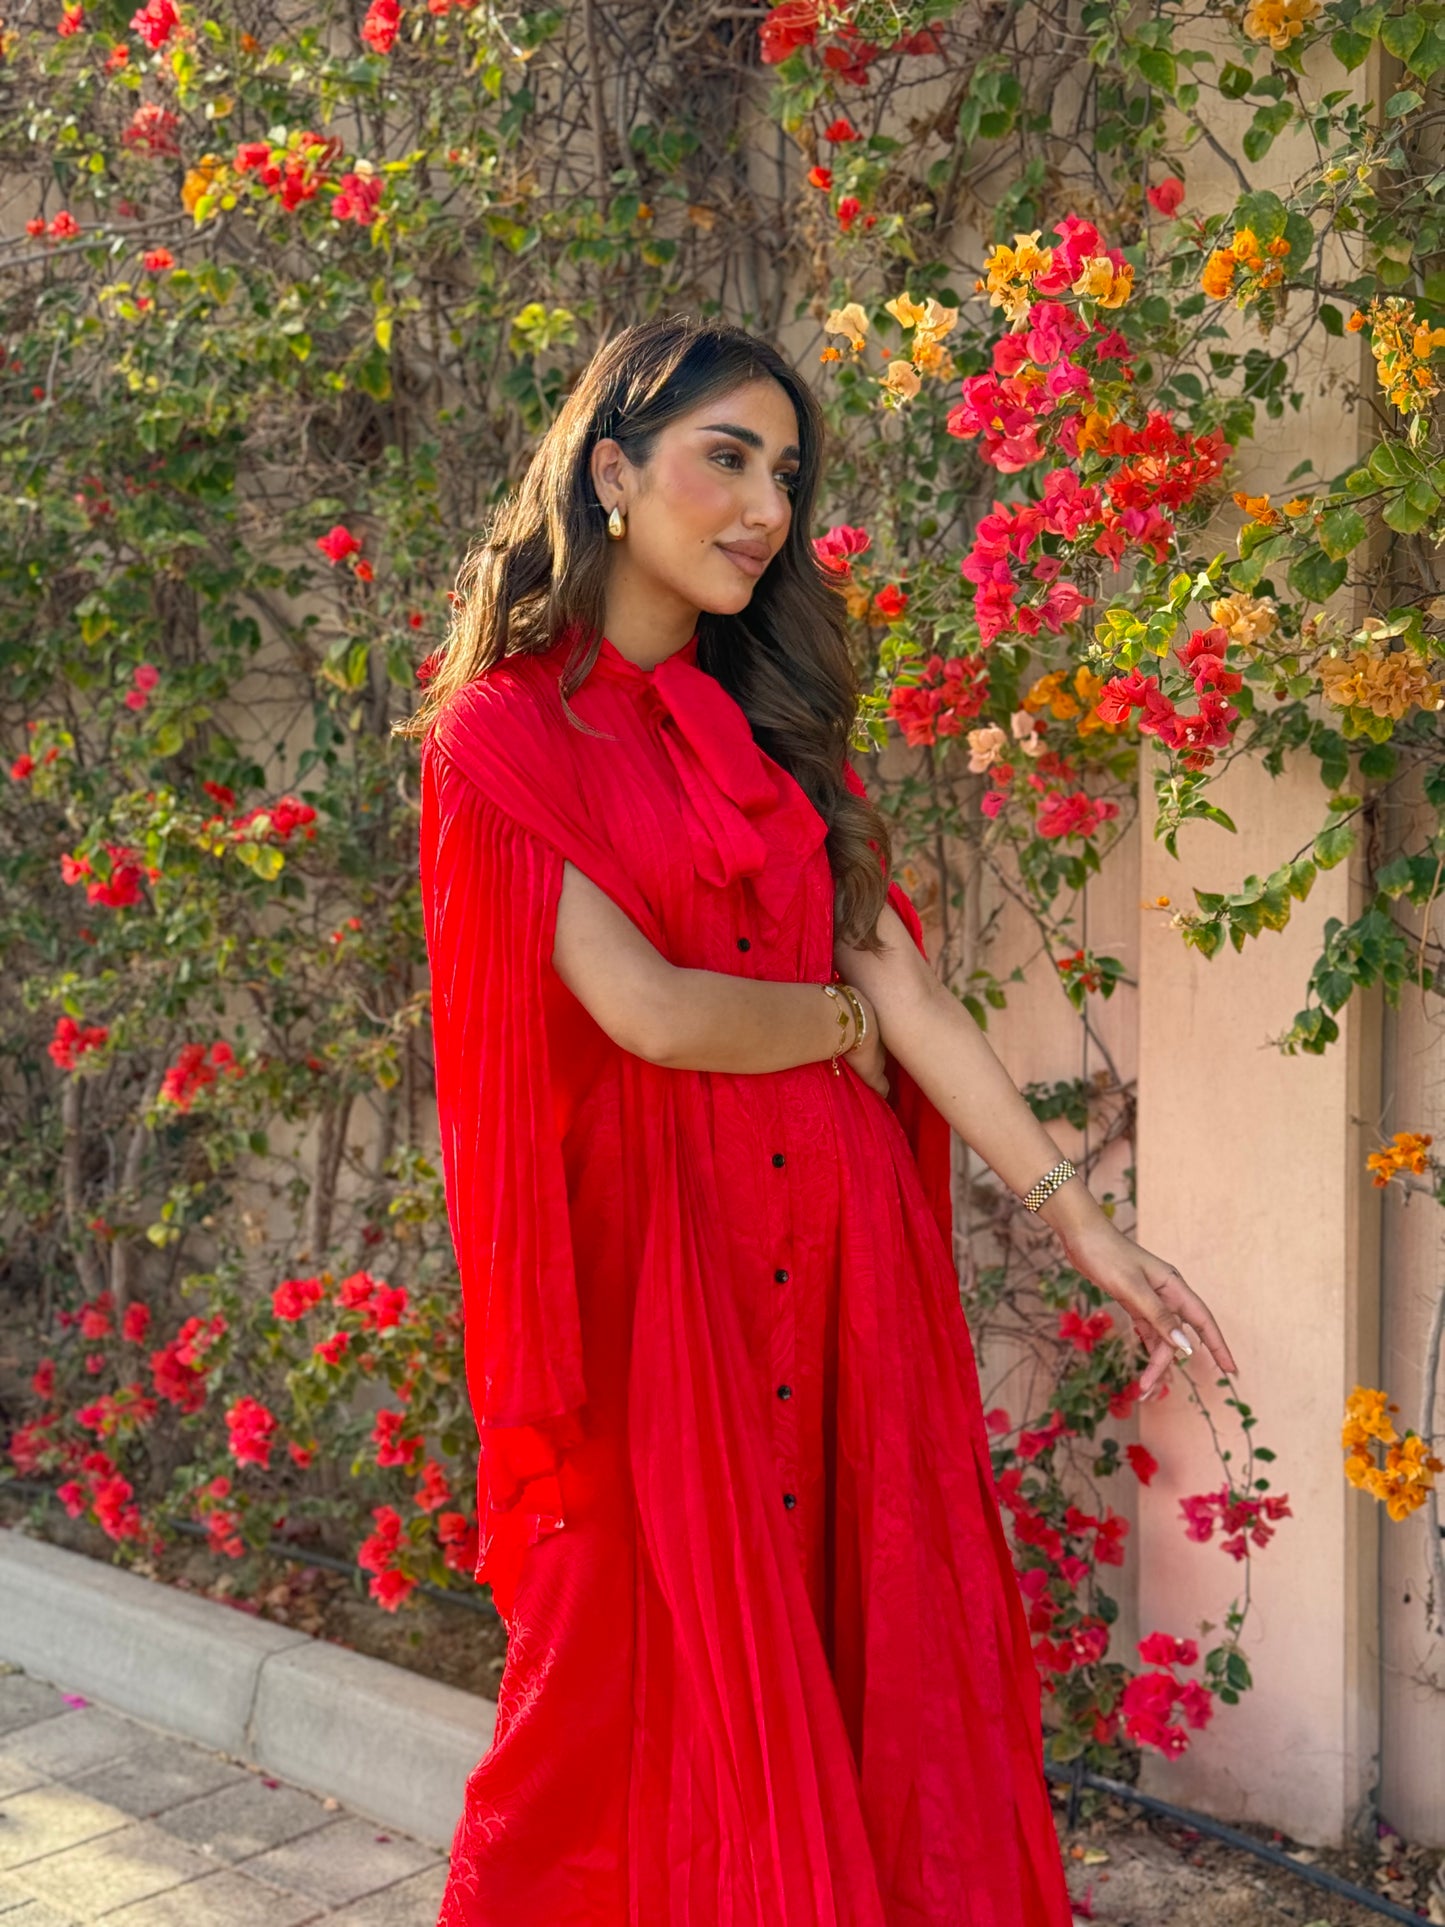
(792,453)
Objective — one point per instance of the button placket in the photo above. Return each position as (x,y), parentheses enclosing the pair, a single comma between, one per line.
(784,1346)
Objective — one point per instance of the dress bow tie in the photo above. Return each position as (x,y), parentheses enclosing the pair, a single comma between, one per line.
(749,818)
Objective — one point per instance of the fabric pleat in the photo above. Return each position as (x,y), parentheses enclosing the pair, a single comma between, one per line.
(768,1663)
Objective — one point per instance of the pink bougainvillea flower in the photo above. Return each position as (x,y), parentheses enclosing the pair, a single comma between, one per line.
(1165,198)
(155,22)
(337,543)
(153,129)
(381,25)
(836,549)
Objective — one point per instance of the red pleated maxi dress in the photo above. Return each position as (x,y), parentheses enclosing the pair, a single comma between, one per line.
(768,1664)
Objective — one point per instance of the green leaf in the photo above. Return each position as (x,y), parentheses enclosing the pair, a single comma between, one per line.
(1403,34)
(1331,320)
(1333,845)
(1341,530)
(1263,213)
(1315,576)
(1157,66)
(1349,48)
(1398,105)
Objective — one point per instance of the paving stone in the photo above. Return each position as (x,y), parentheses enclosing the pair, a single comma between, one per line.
(35,1913)
(344,1861)
(112,1871)
(246,1819)
(411,1903)
(17,1775)
(24,1700)
(48,1819)
(226,1899)
(72,1742)
(158,1773)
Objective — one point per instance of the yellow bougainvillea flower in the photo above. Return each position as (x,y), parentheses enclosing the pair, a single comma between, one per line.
(1279,21)
(1218,276)
(857,601)
(206,172)
(1049,693)
(1009,272)
(1257,508)
(1405,1152)
(901,380)
(1298,505)
(1403,347)
(1102,282)
(851,321)
(1094,429)
(1248,619)
(1386,685)
(1408,1473)
(905,311)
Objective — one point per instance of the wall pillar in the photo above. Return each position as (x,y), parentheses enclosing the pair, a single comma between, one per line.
(1252,1180)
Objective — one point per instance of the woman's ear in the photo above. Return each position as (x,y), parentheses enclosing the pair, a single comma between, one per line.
(606,467)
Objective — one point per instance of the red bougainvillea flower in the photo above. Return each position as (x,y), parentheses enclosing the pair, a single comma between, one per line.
(64,226)
(433,1492)
(42,1379)
(1073,815)
(945,697)
(294,1297)
(332,1350)
(849,208)
(71,1042)
(153,129)
(787,27)
(1165,198)
(357,198)
(22,767)
(393,1447)
(385,1308)
(1085,1333)
(302,1455)
(219,793)
(280,819)
(97,1319)
(178,1370)
(251,154)
(1143,1461)
(117,891)
(193,1070)
(836,549)
(337,543)
(136,1323)
(251,1427)
(890,602)
(117,57)
(157,260)
(72,19)
(841,129)
(355,1290)
(820,177)
(381,25)
(155,22)
(426,669)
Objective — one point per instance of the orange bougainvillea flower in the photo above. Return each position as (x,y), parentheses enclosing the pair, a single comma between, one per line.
(1257,508)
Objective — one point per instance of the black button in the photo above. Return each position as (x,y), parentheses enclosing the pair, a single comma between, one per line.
(780,1277)
(789,1501)
(744,943)
(778,1158)
(785,1391)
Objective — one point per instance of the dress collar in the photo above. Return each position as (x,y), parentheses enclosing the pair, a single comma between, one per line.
(611,661)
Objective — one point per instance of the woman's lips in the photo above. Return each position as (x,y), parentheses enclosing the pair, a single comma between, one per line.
(752,565)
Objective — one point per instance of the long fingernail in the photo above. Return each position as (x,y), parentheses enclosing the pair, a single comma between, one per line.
(1183,1343)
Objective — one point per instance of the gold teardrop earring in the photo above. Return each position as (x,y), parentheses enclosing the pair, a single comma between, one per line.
(616,524)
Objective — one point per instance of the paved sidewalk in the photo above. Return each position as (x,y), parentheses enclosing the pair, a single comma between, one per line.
(103,1819)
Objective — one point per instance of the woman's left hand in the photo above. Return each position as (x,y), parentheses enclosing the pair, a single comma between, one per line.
(1155,1297)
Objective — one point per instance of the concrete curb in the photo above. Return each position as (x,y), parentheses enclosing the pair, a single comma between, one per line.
(388,1743)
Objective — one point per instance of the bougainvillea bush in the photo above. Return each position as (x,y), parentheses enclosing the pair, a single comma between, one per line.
(286,302)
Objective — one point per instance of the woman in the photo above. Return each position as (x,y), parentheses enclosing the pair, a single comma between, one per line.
(767,1660)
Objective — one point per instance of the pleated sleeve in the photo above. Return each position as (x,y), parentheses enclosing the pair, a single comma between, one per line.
(490,890)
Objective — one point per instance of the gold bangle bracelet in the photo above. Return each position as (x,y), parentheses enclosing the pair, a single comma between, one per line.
(844,1012)
(859,1013)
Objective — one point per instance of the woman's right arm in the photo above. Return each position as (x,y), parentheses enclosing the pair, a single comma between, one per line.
(701,1020)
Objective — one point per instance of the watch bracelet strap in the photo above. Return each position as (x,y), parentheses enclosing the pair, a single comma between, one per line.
(1048,1184)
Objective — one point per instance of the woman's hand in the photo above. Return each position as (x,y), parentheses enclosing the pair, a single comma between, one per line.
(1154,1295)
(868,1060)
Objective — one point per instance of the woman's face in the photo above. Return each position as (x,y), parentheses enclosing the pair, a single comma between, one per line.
(711,508)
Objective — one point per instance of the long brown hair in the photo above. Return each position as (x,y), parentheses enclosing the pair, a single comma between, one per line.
(540,567)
